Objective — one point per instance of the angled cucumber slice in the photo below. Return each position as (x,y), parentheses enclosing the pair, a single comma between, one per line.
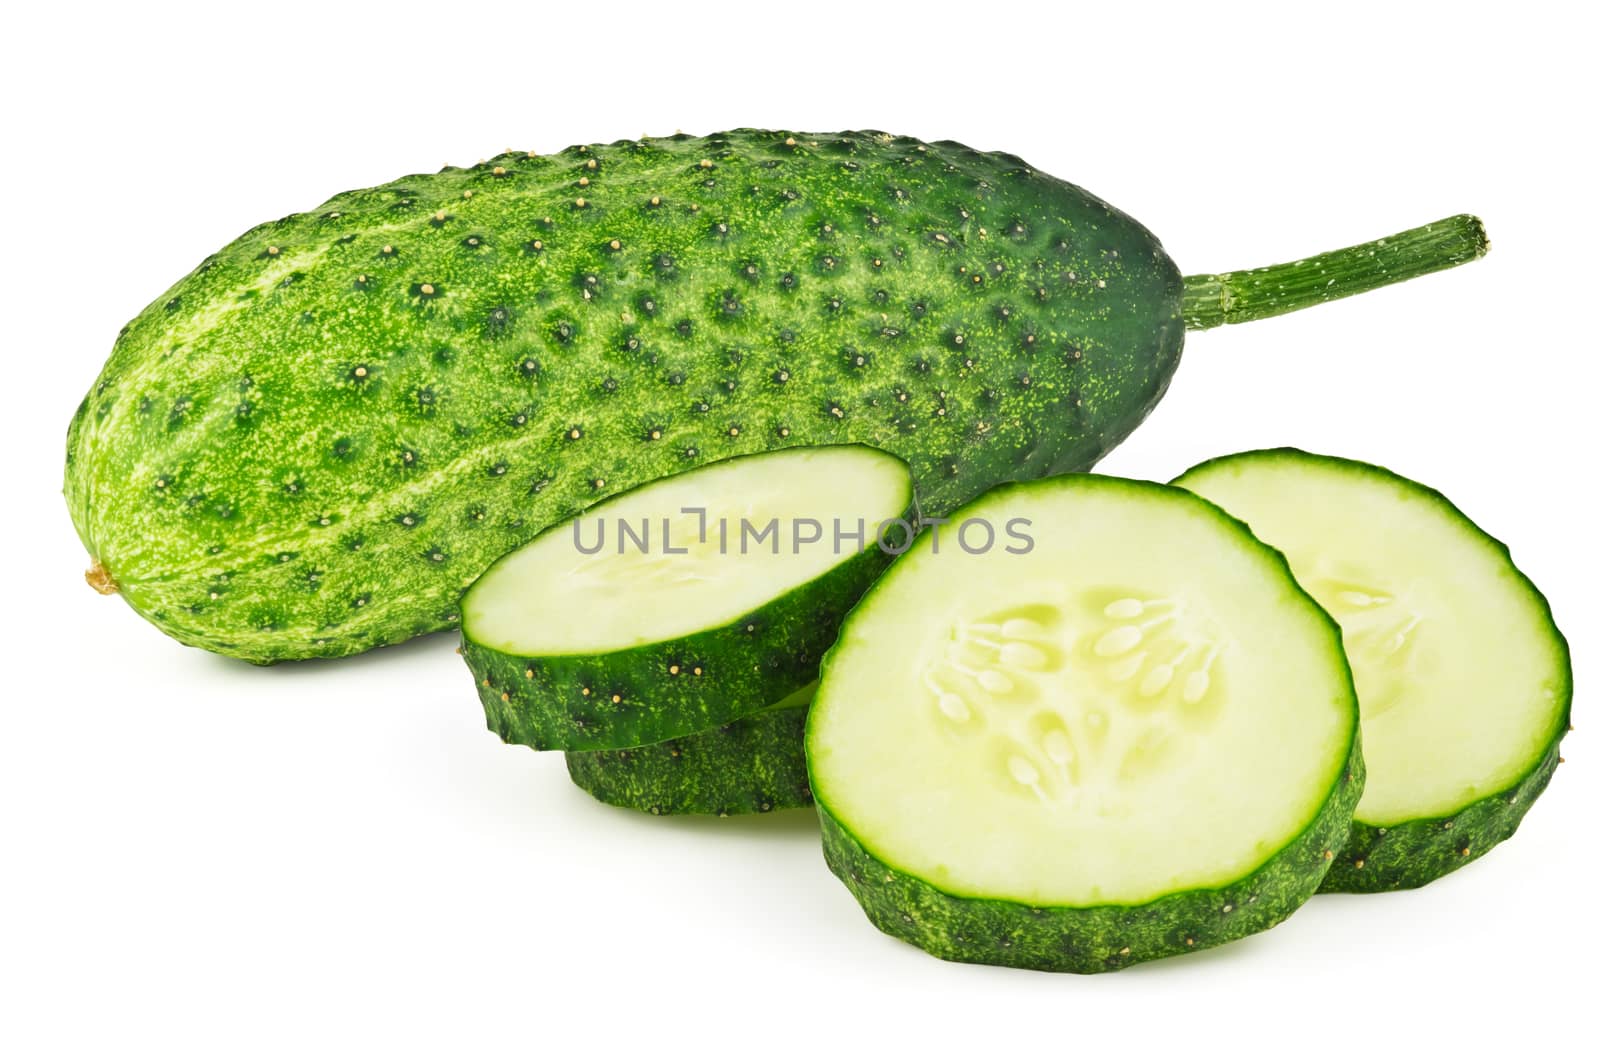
(673,608)
(756,763)
(1465,682)
(1135,739)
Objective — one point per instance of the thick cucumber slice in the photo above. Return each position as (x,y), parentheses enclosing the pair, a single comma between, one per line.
(673,608)
(756,763)
(1135,739)
(1465,682)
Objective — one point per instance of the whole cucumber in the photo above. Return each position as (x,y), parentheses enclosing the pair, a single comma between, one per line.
(311,444)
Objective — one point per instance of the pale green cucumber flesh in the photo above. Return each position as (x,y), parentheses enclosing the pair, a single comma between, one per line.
(1136,738)
(634,644)
(686,553)
(1465,681)
(756,763)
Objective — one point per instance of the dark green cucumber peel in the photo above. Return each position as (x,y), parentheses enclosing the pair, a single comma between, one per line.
(1092,940)
(314,442)
(756,763)
(669,689)
(1412,854)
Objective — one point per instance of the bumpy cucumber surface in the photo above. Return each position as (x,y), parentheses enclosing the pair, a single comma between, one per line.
(1465,681)
(631,645)
(756,763)
(1136,739)
(315,441)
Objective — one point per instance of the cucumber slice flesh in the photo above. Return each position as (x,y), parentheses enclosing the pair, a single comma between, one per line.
(718,543)
(1464,680)
(1143,704)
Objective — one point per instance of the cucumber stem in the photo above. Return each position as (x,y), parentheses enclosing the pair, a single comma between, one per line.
(1211,299)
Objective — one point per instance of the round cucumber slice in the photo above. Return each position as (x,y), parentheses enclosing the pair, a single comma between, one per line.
(756,763)
(671,609)
(1136,738)
(1465,682)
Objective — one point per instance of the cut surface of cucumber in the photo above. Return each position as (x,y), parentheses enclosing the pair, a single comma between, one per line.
(670,559)
(673,608)
(1137,738)
(1465,682)
(756,763)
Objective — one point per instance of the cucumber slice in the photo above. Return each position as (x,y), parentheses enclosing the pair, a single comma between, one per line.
(1135,739)
(1465,682)
(756,763)
(714,598)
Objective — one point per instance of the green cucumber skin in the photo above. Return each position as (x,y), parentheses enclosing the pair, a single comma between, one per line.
(670,689)
(1094,940)
(1415,853)
(298,451)
(1401,856)
(752,764)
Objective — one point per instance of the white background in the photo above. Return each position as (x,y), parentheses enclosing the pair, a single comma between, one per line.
(204,860)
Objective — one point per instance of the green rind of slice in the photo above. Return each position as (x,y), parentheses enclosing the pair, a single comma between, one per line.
(1093,940)
(753,764)
(1389,849)
(1408,855)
